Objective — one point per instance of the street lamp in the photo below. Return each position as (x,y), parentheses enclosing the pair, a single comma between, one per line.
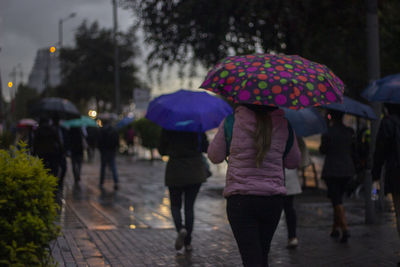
(60,27)
(51,50)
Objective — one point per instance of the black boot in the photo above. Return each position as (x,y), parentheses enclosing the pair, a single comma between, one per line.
(345,237)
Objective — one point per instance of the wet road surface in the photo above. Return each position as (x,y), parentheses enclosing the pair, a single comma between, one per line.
(133,226)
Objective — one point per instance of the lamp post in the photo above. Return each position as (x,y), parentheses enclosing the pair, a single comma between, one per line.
(116,59)
(373,66)
(60,27)
(48,54)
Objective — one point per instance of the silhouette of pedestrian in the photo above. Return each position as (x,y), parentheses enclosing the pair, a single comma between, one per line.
(130,139)
(387,153)
(293,188)
(63,137)
(108,144)
(255,186)
(47,146)
(338,145)
(184,174)
(76,148)
(92,136)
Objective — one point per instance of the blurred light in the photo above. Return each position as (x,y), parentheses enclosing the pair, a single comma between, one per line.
(164,158)
(131,208)
(132,226)
(99,123)
(52,49)
(329,117)
(165,201)
(10,84)
(92,113)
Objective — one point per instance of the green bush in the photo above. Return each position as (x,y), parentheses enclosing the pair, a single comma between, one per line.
(27,210)
(148,131)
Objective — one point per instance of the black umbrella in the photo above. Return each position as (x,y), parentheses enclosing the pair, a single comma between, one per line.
(55,107)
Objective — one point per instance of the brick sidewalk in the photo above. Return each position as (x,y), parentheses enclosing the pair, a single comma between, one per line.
(133,227)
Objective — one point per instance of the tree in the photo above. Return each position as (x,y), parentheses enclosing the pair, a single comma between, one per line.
(149,134)
(200,31)
(88,68)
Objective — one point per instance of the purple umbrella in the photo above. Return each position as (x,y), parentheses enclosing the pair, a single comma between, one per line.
(188,111)
(274,80)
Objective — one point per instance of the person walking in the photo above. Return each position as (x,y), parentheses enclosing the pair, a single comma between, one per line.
(130,139)
(108,143)
(184,174)
(63,137)
(292,188)
(387,154)
(262,145)
(76,149)
(47,145)
(92,136)
(338,144)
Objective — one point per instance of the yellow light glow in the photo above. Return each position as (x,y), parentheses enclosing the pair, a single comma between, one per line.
(132,226)
(92,113)
(52,49)
(164,158)
(10,84)
(131,208)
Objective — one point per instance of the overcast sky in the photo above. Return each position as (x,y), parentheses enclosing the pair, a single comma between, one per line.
(28,25)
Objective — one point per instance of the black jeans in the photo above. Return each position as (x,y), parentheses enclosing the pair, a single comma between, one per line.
(190,193)
(76,162)
(290,215)
(253,220)
(108,158)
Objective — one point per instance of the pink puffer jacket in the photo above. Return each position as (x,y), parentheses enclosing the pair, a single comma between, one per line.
(243,177)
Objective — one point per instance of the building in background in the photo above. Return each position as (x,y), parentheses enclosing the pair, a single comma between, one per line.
(46,70)
(141,98)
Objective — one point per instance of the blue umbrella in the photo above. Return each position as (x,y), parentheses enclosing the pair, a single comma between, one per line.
(386,89)
(353,107)
(306,122)
(124,122)
(188,111)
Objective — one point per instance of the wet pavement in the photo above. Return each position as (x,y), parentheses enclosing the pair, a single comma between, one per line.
(133,226)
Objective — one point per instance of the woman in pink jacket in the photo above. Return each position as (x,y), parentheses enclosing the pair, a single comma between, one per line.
(255,183)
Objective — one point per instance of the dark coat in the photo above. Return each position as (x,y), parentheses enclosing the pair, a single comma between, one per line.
(76,144)
(46,142)
(185,165)
(338,145)
(108,141)
(386,153)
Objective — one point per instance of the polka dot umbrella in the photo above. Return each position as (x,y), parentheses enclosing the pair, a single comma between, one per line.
(274,80)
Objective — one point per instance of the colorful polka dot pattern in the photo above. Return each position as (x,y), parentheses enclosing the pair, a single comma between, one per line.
(275,80)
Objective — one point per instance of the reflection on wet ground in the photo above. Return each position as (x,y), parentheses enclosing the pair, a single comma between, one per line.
(133,226)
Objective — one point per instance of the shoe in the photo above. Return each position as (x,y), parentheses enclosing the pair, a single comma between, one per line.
(180,239)
(188,248)
(345,237)
(335,233)
(115,186)
(293,243)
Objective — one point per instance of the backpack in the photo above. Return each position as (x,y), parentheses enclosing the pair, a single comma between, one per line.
(228,130)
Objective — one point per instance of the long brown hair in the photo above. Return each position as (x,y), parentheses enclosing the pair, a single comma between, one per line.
(263,133)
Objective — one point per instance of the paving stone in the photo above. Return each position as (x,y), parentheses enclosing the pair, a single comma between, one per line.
(133,226)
